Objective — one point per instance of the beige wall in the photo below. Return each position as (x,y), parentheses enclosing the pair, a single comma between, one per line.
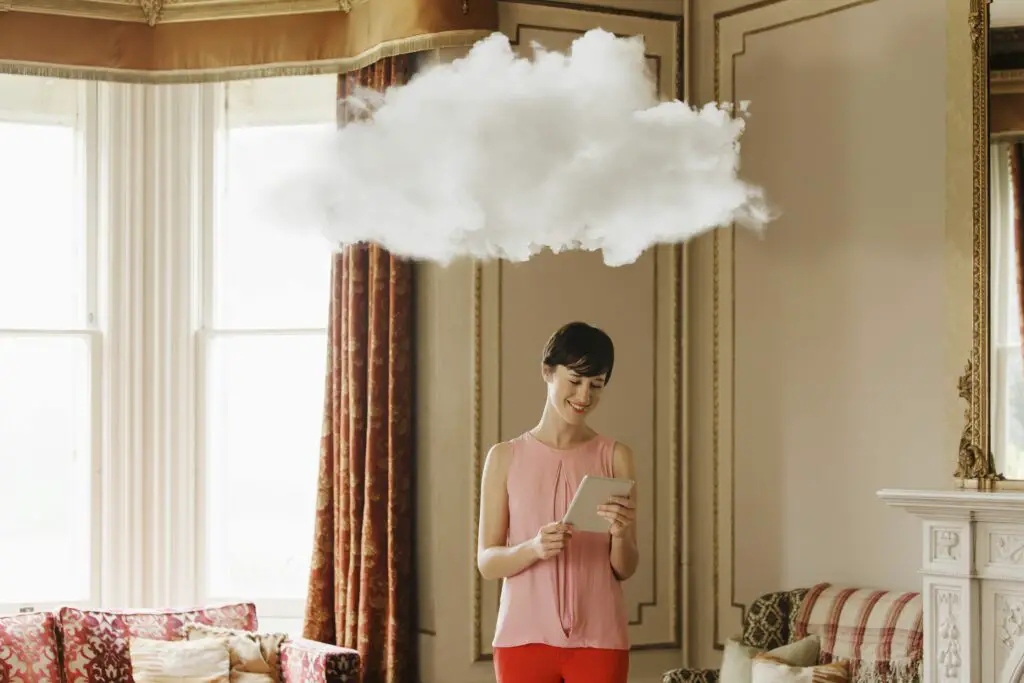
(820,362)
(833,376)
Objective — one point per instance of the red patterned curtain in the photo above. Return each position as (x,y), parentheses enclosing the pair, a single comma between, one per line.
(362,585)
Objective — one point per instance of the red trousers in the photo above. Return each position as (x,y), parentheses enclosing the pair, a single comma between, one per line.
(547,664)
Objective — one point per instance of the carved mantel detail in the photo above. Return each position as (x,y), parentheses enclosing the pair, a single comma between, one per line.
(1007,548)
(949,652)
(1010,610)
(972,583)
(945,544)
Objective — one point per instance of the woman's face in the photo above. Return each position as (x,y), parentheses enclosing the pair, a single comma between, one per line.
(573,396)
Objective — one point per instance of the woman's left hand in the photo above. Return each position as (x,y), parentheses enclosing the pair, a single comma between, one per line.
(620,511)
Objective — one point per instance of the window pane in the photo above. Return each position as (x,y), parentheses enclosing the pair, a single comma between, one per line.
(265,276)
(264,417)
(42,234)
(45,482)
(1012,375)
(1012,312)
(291,626)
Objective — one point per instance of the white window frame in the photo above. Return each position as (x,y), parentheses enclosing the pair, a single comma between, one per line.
(271,102)
(33,109)
(149,201)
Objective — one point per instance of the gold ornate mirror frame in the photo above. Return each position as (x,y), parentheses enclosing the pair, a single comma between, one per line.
(975,464)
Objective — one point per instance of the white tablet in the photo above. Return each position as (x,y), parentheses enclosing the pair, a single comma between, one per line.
(594,491)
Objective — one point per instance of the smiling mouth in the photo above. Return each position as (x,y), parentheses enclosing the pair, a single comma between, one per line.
(577,408)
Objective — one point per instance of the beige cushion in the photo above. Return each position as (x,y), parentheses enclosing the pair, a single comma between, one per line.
(738,658)
(769,669)
(179,661)
(255,657)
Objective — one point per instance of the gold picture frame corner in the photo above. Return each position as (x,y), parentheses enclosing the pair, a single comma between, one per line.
(975,465)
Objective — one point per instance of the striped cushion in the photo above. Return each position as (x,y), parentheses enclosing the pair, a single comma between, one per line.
(879,632)
(180,661)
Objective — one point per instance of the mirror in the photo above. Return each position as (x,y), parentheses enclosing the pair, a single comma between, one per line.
(1006,232)
(991,453)
(1005,285)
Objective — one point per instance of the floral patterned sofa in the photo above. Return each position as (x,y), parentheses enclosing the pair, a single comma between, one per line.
(880,632)
(91,646)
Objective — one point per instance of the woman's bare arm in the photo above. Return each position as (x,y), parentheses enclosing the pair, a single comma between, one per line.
(624,554)
(494,557)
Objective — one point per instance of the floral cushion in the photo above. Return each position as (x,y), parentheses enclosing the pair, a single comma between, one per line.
(305,661)
(95,642)
(28,648)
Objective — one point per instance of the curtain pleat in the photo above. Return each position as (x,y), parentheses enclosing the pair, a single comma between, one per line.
(362,591)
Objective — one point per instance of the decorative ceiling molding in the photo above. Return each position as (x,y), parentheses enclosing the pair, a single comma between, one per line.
(155,12)
(200,41)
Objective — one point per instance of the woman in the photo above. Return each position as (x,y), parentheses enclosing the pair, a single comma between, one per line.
(562,615)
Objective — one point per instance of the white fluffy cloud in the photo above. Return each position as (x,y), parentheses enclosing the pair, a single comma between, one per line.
(498,156)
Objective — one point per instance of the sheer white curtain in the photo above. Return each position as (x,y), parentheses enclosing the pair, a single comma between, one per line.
(162,347)
(1007,371)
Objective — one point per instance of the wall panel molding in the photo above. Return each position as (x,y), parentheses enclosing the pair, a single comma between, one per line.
(732,28)
(656,614)
(656,620)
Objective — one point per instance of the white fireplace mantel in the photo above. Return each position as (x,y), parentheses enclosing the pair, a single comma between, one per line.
(972,568)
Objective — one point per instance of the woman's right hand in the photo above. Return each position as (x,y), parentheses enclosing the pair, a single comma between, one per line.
(551,540)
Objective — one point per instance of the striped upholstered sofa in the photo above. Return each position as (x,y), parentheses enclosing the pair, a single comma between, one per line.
(879,632)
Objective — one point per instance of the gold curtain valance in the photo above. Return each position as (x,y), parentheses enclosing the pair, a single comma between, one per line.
(188,41)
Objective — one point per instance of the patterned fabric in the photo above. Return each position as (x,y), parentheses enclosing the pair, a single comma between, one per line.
(96,643)
(362,585)
(28,648)
(690,676)
(304,661)
(769,621)
(255,656)
(880,632)
(767,625)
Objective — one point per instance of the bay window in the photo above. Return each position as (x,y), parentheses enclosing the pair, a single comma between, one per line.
(263,358)
(162,346)
(49,348)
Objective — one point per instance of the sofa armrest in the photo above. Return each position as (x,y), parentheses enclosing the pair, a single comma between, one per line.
(307,661)
(690,676)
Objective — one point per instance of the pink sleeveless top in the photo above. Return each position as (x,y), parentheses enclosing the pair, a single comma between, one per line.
(572,600)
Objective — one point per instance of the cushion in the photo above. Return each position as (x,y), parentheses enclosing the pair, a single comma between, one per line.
(28,648)
(96,642)
(769,669)
(769,621)
(184,661)
(255,657)
(307,660)
(879,632)
(738,658)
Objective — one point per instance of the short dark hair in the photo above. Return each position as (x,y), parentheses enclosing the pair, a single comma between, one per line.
(582,348)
